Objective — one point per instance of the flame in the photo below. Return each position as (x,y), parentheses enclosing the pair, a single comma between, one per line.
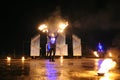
(59,27)
(107,65)
(62,26)
(43,28)
(105,78)
(23,58)
(8,61)
(110,54)
(95,53)
(8,58)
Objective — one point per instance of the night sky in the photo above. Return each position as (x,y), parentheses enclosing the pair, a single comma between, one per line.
(93,20)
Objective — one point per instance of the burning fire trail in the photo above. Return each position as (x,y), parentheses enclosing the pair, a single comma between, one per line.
(106,66)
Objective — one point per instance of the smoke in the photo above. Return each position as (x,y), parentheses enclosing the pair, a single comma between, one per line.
(116,41)
(101,20)
(54,20)
(115,49)
(115,52)
(107,18)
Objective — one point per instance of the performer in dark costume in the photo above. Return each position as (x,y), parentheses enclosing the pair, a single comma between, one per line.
(52,47)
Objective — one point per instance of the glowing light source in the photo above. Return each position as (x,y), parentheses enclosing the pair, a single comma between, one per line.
(62,26)
(52,39)
(43,28)
(105,78)
(58,29)
(23,58)
(8,61)
(95,53)
(110,54)
(52,35)
(8,58)
(106,65)
(100,47)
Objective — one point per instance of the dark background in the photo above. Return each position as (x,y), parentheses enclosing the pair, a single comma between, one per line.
(93,21)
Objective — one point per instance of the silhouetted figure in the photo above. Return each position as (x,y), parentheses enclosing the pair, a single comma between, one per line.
(52,47)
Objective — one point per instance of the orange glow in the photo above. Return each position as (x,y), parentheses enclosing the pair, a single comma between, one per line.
(110,54)
(61,60)
(60,31)
(104,78)
(23,58)
(52,35)
(8,58)
(62,26)
(8,61)
(107,65)
(95,53)
(43,28)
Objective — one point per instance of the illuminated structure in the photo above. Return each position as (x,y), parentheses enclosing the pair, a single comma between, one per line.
(35,46)
(63,47)
(55,25)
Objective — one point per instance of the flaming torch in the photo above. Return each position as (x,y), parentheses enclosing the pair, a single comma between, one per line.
(60,28)
(52,32)
(55,25)
(43,28)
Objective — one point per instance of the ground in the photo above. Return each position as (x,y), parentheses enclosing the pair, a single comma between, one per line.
(61,69)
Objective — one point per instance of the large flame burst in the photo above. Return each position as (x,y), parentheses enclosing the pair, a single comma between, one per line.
(106,66)
(54,24)
(43,28)
(59,28)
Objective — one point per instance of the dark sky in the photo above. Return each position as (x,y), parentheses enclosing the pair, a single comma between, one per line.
(97,20)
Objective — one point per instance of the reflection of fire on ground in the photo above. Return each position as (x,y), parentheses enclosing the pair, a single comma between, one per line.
(88,64)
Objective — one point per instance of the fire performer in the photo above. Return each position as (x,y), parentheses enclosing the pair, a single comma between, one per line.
(53,34)
(52,39)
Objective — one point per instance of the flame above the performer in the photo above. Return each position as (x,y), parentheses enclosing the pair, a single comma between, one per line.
(43,28)
(59,28)
(54,24)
